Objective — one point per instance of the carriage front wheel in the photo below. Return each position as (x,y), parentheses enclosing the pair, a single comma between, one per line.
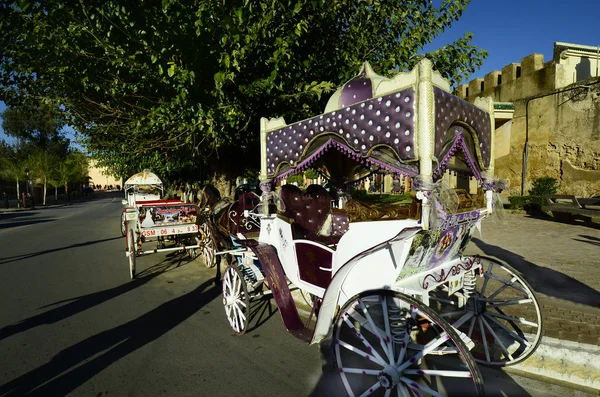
(131,248)
(389,344)
(209,246)
(501,314)
(236,299)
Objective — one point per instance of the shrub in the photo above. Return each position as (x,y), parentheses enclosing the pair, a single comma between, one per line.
(298,178)
(517,202)
(527,203)
(543,186)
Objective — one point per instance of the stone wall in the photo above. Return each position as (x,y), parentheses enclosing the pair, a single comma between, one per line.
(564,142)
(564,128)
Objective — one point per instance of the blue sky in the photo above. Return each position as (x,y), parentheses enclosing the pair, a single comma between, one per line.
(510,29)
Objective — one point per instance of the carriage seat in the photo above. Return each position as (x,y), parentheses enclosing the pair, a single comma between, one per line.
(312,215)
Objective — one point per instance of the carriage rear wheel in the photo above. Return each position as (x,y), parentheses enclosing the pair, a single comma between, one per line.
(132,248)
(501,316)
(209,246)
(236,299)
(386,343)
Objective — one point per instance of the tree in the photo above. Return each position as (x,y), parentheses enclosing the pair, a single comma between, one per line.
(42,164)
(12,166)
(179,82)
(37,127)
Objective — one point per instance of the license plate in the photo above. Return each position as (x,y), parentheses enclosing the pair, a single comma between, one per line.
(169,230)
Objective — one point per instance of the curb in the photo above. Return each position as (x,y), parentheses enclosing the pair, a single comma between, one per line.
(565,362)
(561,362)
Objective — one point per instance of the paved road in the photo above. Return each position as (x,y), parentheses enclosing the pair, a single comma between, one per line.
(71,323)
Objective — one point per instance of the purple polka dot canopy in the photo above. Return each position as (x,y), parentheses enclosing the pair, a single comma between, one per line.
(384,121)
(450,110)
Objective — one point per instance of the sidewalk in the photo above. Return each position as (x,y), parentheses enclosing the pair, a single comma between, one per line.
(561,262)
(62,201)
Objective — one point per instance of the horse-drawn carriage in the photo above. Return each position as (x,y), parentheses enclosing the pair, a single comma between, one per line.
(148,217)
(400,307)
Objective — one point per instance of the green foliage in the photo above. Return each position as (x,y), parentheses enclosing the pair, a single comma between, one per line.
(544,186)
(182,85)
(298,178)
(385,199)
(311,174)
(528,203)
(518,202)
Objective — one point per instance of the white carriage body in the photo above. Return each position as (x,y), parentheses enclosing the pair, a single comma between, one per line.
(372,254)
(391,262)
(142,187)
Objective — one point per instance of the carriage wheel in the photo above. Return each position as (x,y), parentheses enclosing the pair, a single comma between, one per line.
(131,247)
(236,299)
(208,246)
(123,224)
(386,343)
(502,315)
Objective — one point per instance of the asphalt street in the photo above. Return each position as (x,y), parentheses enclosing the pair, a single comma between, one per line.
(72,323)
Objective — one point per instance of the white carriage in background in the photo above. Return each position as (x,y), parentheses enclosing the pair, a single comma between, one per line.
(402,311)
(148,217)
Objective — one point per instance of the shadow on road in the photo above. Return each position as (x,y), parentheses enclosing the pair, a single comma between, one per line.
(80,362)
(574,222)
(25,223)
(542,279)
(588,239)
(73,306)
(15,258)
(496,382)
(11,215)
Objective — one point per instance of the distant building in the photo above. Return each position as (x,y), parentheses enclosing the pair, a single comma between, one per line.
(547,119)
(100,176)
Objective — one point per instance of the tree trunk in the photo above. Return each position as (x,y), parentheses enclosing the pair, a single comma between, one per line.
(224,185)
(55,194)
(45,190)
(18,195)
(67,192)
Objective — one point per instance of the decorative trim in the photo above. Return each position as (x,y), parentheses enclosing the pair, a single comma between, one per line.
(350,153)
(454,271)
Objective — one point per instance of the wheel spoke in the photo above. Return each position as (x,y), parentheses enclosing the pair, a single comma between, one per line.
(239,311)
(414,385)
(371,389)
(443,337)
(471,327)
(486,274)
(365,342)
(498,340)
(361,353)
(505,328)
(506,285)
(462,320)
(404,344)
(364,323)
(484,339)
(361,371)
(519,320)
(401,390)
(436,372)
(371,323)
(388,335)
(511,302)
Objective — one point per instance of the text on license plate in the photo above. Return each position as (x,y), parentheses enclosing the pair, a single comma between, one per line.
(170,230)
